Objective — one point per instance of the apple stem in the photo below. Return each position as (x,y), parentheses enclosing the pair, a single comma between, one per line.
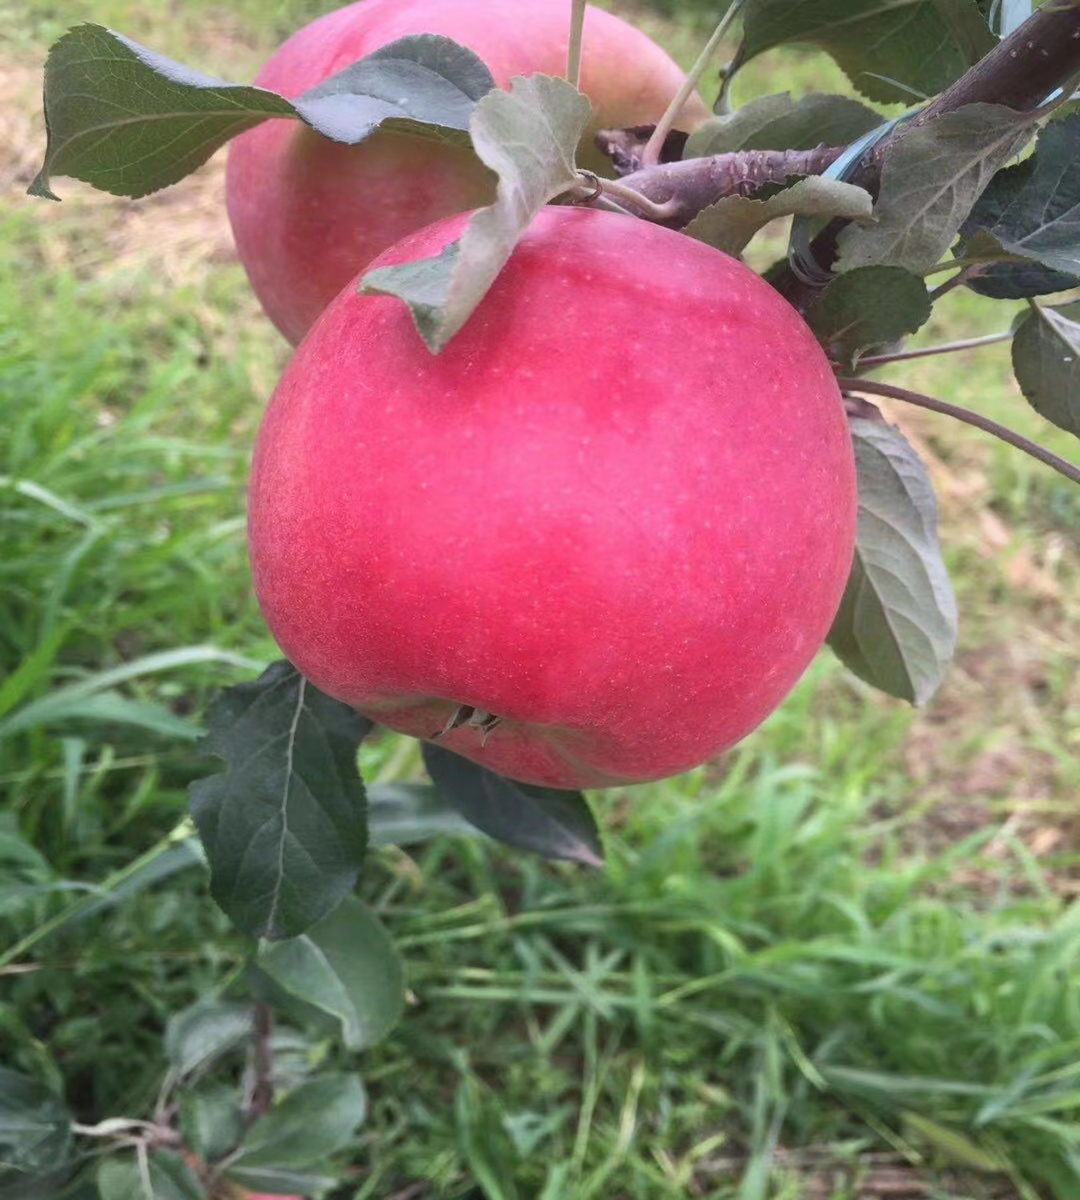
(573,50)
(1061,465)
(638,204)
(650,156)
(878,360)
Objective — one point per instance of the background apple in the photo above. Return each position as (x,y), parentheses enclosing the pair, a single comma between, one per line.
(627,551)
(308,214)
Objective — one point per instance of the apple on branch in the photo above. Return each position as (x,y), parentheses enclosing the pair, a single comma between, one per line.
(308,214)
(595,541)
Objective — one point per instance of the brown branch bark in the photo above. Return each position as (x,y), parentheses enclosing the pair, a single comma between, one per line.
(685,188)
(262,1089)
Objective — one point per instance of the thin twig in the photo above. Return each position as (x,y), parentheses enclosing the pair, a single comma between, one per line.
(1061,465)
(650,156)
(573,49)
(262,1091)
(878,360)
(976,260)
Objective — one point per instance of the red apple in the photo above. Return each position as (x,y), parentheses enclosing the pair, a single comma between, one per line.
(617,511)
(308,213)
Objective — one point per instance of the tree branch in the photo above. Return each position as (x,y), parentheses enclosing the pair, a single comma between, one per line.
(683,189)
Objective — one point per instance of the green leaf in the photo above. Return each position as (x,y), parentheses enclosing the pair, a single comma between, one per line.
(345,966)
(555,824)
(167,1177)
(891,50)
(401,814)
(424,85)
(730,223)
(866,308)
(203,1032)
(302,1131)
(930,181)
(284,827)
(1033,209)
(528,136)
(967,28)
(211,1121)
(130,121)
(1046,359)
(36,1141)
(780,123)
(896,627)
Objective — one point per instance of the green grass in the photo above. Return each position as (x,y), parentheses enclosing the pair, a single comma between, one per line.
(845,955)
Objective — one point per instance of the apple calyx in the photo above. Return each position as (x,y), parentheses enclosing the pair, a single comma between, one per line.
(474,718)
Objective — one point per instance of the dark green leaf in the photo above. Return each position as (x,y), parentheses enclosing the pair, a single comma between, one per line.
(1033,209)
(199,1034)
(284,827)
(731,222)
(555,824)
(528,136)
(1018,281)
(868,307)
(211,1121)
(36,1145)
(425,84)
(129,121)
(896,627)
(1046,359)
(930,181)
(780,123)
(401,814)
(892,50)
(967,28)
(345,966)
(1007,280)
(168,1177)
(313,1122)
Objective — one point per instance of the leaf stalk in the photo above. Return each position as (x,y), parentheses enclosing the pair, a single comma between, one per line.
(892,392)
